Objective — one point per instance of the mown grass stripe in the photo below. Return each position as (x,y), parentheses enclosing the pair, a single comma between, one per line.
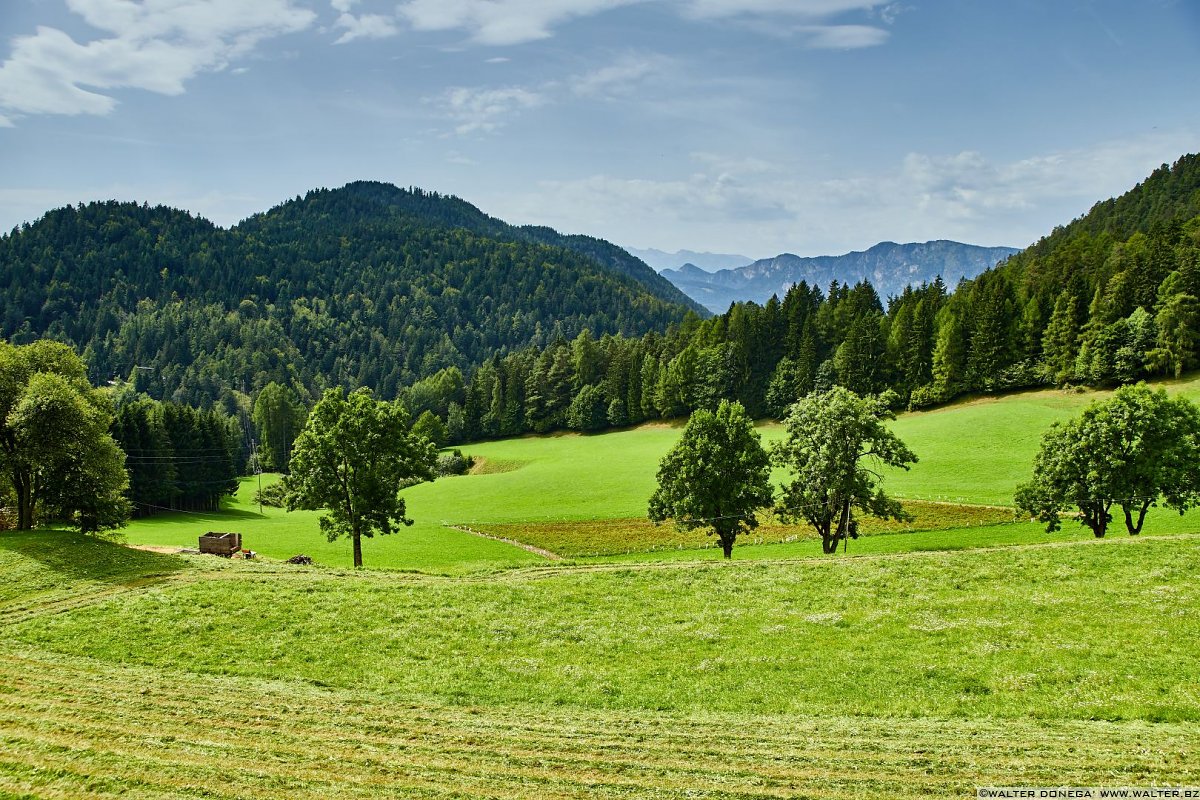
(382,749)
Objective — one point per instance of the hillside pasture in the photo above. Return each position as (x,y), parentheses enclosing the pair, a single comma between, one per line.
(902,675)
(585,496)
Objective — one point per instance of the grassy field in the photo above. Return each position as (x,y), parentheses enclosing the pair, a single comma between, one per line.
(638,535)
(907,675)
(585,496)
(427,546)
(963,650)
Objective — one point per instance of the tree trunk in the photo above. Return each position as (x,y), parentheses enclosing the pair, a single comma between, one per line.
(843,532)
(829,544)
(727,547)
(357,549)
(1134,530)
(1097,519)
(23,486)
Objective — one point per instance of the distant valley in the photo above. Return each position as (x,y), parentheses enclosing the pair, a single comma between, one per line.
(888,266)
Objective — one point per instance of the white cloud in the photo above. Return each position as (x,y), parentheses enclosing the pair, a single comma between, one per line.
(510,22)
(843,37)
(620,77)
(813,9)
(365,26)
(733,204)
(486,110)
(501,22)
(155,46)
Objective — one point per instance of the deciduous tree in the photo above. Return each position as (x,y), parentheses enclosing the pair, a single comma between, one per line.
(1134,450)
(834,442)
(716,476)
(54,442)
(352,459)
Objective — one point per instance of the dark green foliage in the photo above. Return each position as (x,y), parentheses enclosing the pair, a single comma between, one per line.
(351,460)
(179,458)
(279,417)
(1134,450)
(57,457)
(835,443)
(500,331)
(273,495)
(716,476)
(368,285)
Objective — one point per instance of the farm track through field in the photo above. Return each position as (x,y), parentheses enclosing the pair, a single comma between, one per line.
(526,547)
(71,726)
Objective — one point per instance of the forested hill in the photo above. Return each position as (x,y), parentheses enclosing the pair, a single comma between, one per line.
(364,285)
(1111,298)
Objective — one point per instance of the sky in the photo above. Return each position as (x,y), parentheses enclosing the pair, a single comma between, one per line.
(739,126)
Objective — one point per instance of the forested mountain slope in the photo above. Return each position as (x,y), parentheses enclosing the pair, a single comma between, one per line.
(1110,298)
(364,285)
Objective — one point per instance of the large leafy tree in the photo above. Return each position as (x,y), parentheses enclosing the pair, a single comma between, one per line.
(352,459)
(717,476)
(835,442)
(55,447)
(1134,450)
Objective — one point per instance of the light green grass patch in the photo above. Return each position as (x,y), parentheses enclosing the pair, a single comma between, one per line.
(425,546)
(1086,630)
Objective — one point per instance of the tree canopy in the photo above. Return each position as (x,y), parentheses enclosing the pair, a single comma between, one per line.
(351,460)
(1136,449)
(716,476)
(835,442)
(55,448)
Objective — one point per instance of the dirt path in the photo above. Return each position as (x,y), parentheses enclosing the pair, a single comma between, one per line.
(527,547)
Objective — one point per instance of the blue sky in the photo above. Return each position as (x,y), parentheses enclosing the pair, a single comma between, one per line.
(747,126)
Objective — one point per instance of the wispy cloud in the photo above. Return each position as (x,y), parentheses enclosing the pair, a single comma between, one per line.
(843,37)
(510,22)
(486,110)
(155,46)
(475,110)
(620,77)
(751,205)
(365,26)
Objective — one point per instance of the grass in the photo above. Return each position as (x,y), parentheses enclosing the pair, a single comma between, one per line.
(613,536)
(585,496)
(953,653)
(1040,632)
(73,728)
(427,546)
(888,675)
(978,450)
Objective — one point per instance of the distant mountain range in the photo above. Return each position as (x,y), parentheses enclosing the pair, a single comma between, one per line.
(709,262)
(888,266)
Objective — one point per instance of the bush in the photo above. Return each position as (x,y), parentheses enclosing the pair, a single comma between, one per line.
(273,495)
(453,463)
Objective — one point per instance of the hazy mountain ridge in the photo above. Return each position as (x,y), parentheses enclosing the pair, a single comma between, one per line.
(888,266)
(708,262)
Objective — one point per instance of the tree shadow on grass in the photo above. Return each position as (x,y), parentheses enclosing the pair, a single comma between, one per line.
(86,558)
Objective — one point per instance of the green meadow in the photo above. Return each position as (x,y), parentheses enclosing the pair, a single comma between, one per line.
(584,497)
(912,674)
(960,650)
